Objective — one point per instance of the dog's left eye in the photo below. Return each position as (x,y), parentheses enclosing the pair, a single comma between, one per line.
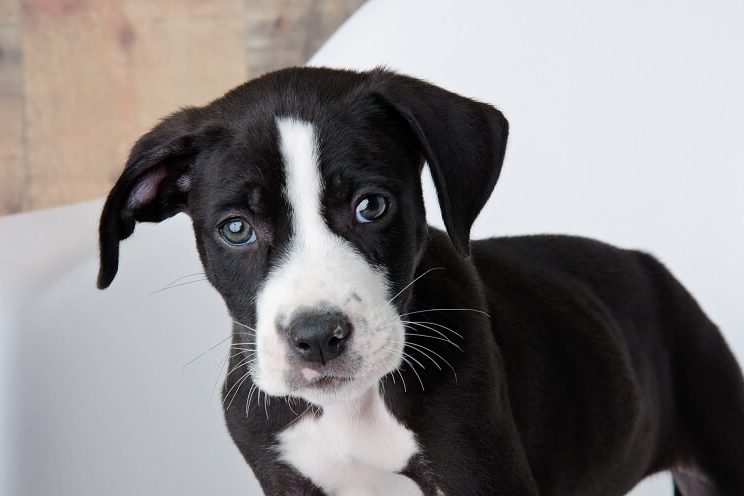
(370,208)
(237,232)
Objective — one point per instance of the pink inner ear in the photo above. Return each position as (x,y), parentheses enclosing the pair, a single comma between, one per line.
(146,189)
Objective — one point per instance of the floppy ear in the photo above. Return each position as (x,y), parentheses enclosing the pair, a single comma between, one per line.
(154,185)
(463,142)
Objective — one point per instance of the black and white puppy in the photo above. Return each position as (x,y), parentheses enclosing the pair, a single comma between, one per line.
(373,354)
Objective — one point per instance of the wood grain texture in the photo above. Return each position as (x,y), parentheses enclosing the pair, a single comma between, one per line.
(12,149)
(100,73)
(289,32)
(81,80)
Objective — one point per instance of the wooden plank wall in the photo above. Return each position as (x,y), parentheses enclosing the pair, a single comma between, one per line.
(80,80)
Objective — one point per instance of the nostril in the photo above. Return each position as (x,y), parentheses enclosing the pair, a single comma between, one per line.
(303,346)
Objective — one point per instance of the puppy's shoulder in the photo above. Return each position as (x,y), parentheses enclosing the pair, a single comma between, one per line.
(560,255)
(567,272)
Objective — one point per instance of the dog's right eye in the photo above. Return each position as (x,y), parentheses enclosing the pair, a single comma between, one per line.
(370,208)
(236,231)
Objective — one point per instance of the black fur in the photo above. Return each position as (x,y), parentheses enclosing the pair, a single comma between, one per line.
(583,368)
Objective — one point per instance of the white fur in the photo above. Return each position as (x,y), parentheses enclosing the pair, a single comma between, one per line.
(355,448)
(322,267)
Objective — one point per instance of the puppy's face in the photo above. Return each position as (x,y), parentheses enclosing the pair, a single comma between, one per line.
(304,190)
(309,228)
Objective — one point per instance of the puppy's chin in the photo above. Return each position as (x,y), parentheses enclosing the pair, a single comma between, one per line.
(332,390)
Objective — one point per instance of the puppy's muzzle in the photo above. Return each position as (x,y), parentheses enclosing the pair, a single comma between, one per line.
(319,336)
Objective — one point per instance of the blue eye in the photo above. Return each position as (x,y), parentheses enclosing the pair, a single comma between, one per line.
(370,208)
(236,231)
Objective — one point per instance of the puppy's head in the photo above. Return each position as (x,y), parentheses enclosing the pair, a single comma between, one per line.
(305,194)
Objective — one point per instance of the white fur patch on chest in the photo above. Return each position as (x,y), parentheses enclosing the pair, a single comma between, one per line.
(354,448)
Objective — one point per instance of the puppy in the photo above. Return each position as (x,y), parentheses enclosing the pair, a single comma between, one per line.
(374,355)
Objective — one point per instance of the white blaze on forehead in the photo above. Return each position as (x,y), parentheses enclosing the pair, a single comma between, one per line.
(299,148)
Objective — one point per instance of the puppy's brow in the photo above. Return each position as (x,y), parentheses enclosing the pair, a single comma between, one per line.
(223,187)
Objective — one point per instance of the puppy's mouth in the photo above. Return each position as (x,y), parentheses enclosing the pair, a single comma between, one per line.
(329,382)
(324,380)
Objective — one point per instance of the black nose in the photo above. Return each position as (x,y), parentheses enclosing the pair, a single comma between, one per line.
(319,336)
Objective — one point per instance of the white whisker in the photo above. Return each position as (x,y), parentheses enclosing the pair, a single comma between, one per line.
(219,373)
(243,325)
(237,384)
(424,323)
(447,310)
(299,416)
(405,389)
(417,345)
(432,329)
(252,391)
(434,337)
(425,354)
(176,285)
(412,282)
(414,371)
(409,356)
(205,352)
(246,361)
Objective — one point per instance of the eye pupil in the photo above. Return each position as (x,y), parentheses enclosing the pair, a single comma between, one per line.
(237,232)
(370,208)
